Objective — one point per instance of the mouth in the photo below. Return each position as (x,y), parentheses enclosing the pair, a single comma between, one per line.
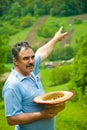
(30,65)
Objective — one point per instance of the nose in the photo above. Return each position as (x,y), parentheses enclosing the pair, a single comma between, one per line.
(31,60)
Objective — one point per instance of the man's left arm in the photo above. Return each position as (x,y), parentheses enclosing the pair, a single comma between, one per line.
(46,49)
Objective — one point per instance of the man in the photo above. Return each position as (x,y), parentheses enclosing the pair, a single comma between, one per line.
(23,85)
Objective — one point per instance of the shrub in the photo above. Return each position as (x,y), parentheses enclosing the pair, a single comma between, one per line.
(80,66)
(1,85)
(61,75)
(64,53)
(47,31)
(78,21)
(26,21)
(44,32)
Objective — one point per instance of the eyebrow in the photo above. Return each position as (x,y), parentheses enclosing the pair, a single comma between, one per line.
(29,57)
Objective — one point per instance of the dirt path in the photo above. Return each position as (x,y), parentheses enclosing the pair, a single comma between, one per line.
(32,33)
(82,16)
(69,37)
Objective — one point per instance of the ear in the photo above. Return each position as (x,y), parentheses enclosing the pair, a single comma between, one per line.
(15,61)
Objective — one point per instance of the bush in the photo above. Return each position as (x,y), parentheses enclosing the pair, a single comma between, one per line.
(64,53)
(1,85)
(44,32)
(80,66)
(78,21)
(47,31)
(3,52)
(9,57)
(26,21)
(61,75)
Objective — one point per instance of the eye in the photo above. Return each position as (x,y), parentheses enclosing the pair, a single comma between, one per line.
(33,57)
(25,58)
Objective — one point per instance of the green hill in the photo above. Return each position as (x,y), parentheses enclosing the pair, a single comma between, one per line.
(46,26)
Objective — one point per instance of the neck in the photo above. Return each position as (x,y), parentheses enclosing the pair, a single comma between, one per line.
(21,71)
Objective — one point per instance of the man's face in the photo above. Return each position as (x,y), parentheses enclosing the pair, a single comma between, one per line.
(25,63)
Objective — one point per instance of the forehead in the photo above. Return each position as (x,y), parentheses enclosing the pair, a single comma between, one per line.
(26,52)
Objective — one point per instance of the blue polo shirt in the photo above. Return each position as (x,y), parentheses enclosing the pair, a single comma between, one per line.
(19,92)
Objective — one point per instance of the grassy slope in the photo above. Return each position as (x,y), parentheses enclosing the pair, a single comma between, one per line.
(79,30)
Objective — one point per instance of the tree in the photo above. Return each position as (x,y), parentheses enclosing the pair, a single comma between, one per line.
(3,53)
(80,66)
(42,7)
(65,53)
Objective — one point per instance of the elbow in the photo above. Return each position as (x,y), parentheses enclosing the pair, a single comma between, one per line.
(11,124)
(10,121)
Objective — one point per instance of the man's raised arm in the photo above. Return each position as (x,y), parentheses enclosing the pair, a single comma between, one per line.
(46,49)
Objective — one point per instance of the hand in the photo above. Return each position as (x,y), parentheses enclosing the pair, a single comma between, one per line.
(56,108)
(52,110)
(47,114)
(59,36)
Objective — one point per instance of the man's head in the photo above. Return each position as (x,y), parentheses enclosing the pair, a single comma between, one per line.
(23,58)
(17,48)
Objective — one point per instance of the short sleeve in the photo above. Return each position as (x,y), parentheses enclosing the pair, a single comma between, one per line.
(13,103)
(37,64)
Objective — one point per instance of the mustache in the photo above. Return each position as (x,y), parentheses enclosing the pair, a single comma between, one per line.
(29,65)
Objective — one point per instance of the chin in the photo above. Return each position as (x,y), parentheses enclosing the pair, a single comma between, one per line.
(30,70)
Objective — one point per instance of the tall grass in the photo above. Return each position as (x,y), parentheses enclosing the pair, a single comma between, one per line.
(3,123)
(21,36)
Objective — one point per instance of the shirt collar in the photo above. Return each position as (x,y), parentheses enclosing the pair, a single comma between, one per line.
(18,75)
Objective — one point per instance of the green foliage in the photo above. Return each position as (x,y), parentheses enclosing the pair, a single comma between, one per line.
(79,33)
(54,55)
(80,67)
(15,9)
(78,21)
(3,122)
(3,52)
(42,7)
(52,12)
(61,75)
(47,31)
(71,118)
(26,21)
(9,57)
(64,53)
(1,85)
(8,28)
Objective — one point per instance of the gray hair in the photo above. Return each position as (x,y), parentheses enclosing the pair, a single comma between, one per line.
(17,48)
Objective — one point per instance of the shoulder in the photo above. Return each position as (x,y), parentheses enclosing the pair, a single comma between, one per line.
(37,58)
(11,84)
(11,81)
(37,64)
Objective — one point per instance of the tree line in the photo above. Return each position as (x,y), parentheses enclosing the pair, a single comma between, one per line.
(42,7)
